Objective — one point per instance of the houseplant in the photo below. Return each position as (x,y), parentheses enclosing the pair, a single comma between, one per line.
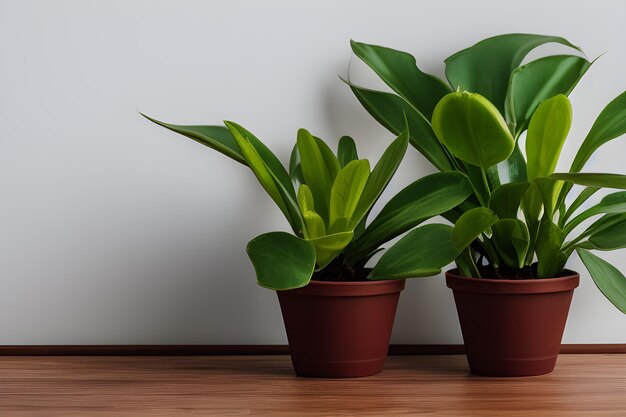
(338,323)
(511,289)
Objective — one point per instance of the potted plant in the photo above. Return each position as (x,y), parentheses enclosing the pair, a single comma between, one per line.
(338,322)
(515,233)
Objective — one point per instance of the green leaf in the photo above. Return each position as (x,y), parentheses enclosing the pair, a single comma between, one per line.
(512,240)
(472,129)
(515,166)
(314,224)
(390,111)
(427,197)
(486,67)
(421,252)
(399,71)
(281,260)
(215,137)
(346,192)
(610,124)
(382,173)
(593,180)
(611,203)
(539,80)
(506,199)
(346,151)
(546,135)
(582,197)
(608,279)
(551,259)
(471,225)
(257,165)
(295,168)
(328,247)
(612,237)
(332,164)
(317,175)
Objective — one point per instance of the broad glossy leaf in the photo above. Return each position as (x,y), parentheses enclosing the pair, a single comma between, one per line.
(390,111)
(511,239)
(611,203)
(471,225)
(546,135)
(486,67)
(539,80)
(506,199)
(215,137)
(281,260)
(472,129)
(593,180)
(427,197)
(346,193)
(346,151)
(610,124)
(382,173)
(420,253)
(328,247)
(399,71)
(551,259)
(608,279)
(295,168)
(317,175)
(515,166)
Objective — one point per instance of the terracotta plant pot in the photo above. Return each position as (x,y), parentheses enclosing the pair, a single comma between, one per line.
(340,329)
(512,327)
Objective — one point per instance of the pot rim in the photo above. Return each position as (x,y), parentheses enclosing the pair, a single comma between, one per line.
(518,286)
(347,288)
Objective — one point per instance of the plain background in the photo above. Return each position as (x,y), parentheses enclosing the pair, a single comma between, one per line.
(114,230)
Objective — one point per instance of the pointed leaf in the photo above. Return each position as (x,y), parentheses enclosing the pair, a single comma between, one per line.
(215,137)
(538,81)
(593,180)
(420,253)
(611,203)
(317,174)
(546,135)
(281,260)
(608,279)
(381,175)
(472,129)
(551,259)
(399,71)
(486,67)
(610,124)
(390,111)
(425,198)
(346,192)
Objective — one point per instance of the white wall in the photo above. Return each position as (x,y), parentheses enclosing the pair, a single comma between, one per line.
(113,230)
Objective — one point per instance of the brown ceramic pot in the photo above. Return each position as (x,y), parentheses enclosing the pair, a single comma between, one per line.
(340,329)
(512,327)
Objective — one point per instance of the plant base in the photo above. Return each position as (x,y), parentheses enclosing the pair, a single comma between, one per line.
(512,327)
(340,329)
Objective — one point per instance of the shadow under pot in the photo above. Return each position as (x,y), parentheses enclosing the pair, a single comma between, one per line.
(512,327)
(340,329)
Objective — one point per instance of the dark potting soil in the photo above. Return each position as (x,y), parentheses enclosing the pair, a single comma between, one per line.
(527,272)
(335,272)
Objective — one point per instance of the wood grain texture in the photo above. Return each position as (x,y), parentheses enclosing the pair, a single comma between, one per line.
(100,386)
(192,350)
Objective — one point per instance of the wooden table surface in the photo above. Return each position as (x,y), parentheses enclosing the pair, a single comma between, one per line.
(581,385)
